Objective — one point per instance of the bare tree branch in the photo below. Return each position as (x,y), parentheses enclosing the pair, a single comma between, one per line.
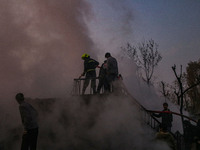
(147,60)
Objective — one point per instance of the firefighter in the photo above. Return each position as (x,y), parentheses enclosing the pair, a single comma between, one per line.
(111,71)
(89,72)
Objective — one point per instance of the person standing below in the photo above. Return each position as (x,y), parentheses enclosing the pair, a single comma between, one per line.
(111,71)
(166,116)
(89,72)
(102,76)
(29,121)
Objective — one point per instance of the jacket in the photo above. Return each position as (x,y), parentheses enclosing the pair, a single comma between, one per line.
(112,66)
(167,118)
(28,116)
(90,65)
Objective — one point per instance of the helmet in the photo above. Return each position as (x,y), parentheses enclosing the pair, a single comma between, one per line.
(85,56)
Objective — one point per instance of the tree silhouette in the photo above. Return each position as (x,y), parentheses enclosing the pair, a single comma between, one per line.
(193,77)
(147,59)
(182,91)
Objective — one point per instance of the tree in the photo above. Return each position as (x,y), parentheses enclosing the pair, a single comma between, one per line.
(164,90)
(193,77)
(167,91)
(148,57)
(182,90)
(170,91)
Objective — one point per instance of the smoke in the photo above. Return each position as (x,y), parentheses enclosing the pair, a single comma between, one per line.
(41,45)
(111,26)
(108,122)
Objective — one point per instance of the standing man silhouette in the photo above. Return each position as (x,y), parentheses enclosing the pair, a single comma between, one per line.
(29,121)
(166,116)
(111,71)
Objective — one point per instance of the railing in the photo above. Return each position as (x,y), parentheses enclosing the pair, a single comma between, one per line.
(146,114)
(150,120)
(78,86)
(154,123)
(116,86)
(182,143)
(179,140)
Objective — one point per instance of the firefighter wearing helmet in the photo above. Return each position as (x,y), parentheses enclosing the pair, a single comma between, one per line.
(89,72)
(84,56)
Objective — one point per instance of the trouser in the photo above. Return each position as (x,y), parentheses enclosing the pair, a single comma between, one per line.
(108,82)
(90,76)
(101,84)
(29,140)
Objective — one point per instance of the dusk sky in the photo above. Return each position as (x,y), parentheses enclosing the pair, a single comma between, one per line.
(173,24)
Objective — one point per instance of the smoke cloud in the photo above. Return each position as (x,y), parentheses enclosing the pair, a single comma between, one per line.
(109,122)
(41,45)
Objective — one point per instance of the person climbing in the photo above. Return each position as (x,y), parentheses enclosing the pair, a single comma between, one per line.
(166,116)
(29,121)
(111,71)
(89,72)
(102,76)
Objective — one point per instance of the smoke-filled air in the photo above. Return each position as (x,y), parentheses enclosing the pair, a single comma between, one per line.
(41,44)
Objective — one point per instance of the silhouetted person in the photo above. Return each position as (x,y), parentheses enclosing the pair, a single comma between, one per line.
(166,116)
(102,76)
(165,136)
(29,121)
(89,72)
(111,71)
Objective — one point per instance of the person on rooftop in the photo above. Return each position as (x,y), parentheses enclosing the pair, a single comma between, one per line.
(89,72)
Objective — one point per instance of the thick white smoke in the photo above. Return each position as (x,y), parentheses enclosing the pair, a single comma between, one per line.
(41,46)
